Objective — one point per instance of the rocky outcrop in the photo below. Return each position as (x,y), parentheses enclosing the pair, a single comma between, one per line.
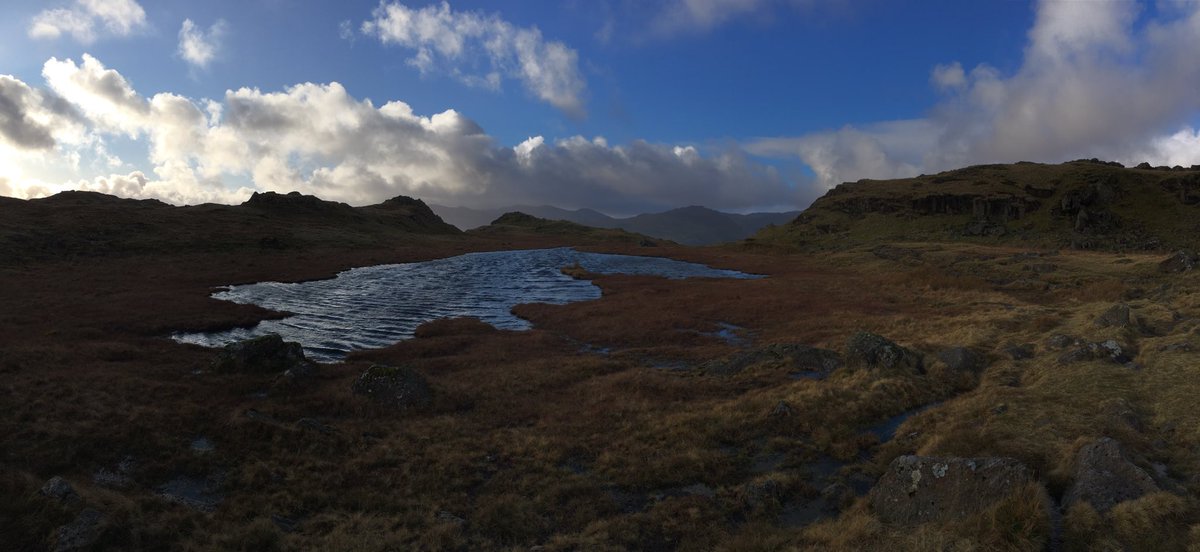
(920,489)
(1109,350)
(1105,477)
(1116,316)
(795,356)
(399,387)
(1180,261)
(59,489)
(866,350)
(268,354)
(81,534)
(962,359)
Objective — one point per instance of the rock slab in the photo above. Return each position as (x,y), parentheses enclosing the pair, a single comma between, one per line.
(1105,477)
(920,489)
(268,354)
(396,386)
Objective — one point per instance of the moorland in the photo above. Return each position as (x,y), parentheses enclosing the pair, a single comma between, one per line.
(1001,357)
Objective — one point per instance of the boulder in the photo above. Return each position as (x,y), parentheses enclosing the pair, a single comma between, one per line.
(80,534)
(920,489)
(871,351)
(1117,315)
(268,354)
(397,386)
(795,356)
(1180,261)
(59,489)
(962,359)
(1105,477)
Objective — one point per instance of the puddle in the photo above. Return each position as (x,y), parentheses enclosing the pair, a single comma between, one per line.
(376,306)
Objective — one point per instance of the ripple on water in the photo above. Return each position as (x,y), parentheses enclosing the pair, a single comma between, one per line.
(376,306)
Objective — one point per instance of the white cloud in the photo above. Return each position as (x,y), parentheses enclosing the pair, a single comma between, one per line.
(949,76)
(84,20)
(1093,83)
(317,138)
(480,50)
(702,15)
(199,47)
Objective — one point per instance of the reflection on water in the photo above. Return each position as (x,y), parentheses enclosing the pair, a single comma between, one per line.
(376,306)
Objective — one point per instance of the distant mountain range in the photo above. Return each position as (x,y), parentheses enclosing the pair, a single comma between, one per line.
(687,225)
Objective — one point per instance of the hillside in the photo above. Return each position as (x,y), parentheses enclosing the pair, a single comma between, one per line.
(88,224)
(516,224)
(1085,204)
(686,225)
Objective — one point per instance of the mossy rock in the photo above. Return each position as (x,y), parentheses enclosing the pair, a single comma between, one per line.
(268,354)
(396,386)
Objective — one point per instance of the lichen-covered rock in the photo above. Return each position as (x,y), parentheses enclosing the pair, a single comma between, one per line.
(919,489)
(81,534)
(871,351)
(1116,316)
(397,386)
(1105,477)
(962,359)
(1108,350)
(1180,261)
(795,356)
(268,354)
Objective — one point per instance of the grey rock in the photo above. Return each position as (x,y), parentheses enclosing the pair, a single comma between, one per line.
(202,445)
(1180,261)
(962,359)
(120,477)
(1059,341)
(918,489)
(1108,350)
(1117,315)
(59,489)
(268,354)
(313,424)
(782,410)
(447,517)
(397,386)
(81,534)
(200,494)
(872,351)
(1105,477)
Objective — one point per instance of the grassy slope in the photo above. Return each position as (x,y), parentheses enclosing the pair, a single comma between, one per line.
(1147,201)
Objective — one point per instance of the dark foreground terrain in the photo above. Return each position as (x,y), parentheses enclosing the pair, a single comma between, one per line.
(928,387)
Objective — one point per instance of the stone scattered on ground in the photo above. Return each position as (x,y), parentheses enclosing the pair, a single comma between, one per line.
(118,478)
(396,386)
(81,534)
(268,354)
(872,351)
(1118,315)
(1180,261)
(918,489)
(59,489)
(1105,477)
(962,359)
(782,410)
(795,356)
(1108,350)
(200,494)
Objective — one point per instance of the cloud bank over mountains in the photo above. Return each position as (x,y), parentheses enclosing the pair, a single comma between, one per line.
(319,139)
(1091,84)
(1114,80)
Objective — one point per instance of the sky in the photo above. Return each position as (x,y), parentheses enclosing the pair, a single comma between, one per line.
(617,105)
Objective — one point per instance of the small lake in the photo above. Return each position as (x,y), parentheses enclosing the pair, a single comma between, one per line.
(376,306)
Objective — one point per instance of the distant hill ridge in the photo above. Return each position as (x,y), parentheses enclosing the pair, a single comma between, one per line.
(1085,204)
(693,225)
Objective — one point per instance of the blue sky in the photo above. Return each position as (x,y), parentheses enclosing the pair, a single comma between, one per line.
(619,105)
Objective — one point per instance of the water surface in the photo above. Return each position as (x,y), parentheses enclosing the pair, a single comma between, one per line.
(376,306)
